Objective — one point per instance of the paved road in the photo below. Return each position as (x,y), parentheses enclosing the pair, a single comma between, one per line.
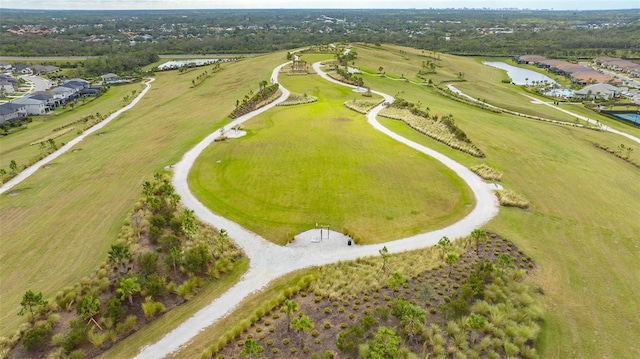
(269,261)
(38,83)
(33,168)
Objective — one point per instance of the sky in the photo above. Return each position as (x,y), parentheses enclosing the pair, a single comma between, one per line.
(315,4)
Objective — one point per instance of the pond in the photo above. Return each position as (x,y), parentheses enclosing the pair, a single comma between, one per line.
(518,75)
(174,64)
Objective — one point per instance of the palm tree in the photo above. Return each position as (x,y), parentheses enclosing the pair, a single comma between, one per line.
(290,307)
(444,244)
(119,254)
(384,253)
(301,323)
(477,234)
(128,287)
(451,259)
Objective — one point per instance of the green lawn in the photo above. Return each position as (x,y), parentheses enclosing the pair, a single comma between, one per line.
(59,226)
(322,163)
(582,226)
(16,146)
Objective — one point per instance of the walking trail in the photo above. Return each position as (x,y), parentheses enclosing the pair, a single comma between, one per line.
(541,102)
(269,261)
(33,168)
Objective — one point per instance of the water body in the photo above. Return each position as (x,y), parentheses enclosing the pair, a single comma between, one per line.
(629,117)
(179,63)
(518,75)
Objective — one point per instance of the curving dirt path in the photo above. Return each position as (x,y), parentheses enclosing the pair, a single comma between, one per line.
(269,261)
(33,168)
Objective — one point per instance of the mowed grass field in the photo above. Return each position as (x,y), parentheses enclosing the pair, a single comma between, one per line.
(582,227)
(322,163)
(59,226)
(17,145)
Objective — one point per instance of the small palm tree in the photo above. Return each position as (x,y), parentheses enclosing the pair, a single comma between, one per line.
(290,307)
(477,234)
(301,324)
(451,258)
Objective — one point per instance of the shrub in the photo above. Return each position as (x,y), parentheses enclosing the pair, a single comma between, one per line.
(275,350)
(57,340)
(151,308)
(76,335)
(188,289)
(327,325)
(197,259)
(76,354)
(97,339)
(285,341)
(487,172)
(269,342)
(35,337)
(509,198)
(148,263)
(154,285)
(327,310)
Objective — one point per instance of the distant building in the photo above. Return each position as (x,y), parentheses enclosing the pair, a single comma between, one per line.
(604,91)
(44,69)
(22,69)
(6,87)
(109,78)
(11,112)
(45,96)
(578,73)
(32,106)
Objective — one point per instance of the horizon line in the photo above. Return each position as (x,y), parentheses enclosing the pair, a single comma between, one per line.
(333,8)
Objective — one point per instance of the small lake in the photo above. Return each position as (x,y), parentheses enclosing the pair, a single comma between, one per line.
(518,75)
(174,64)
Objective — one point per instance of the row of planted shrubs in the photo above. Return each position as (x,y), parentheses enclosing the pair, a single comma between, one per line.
(253,101)
(443,129)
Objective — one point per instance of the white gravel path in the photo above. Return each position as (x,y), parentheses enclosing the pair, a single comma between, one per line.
(33,168)
(269,261)
(593,122)
(537,101)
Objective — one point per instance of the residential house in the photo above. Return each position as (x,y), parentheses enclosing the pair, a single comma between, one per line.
(12,112)
(45,96)
(8,83)
(84,82)
(109,78)
(22,69)
(594,91)
(62,94)
(44,69)
(6,87)
(5,66)
(32,106)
